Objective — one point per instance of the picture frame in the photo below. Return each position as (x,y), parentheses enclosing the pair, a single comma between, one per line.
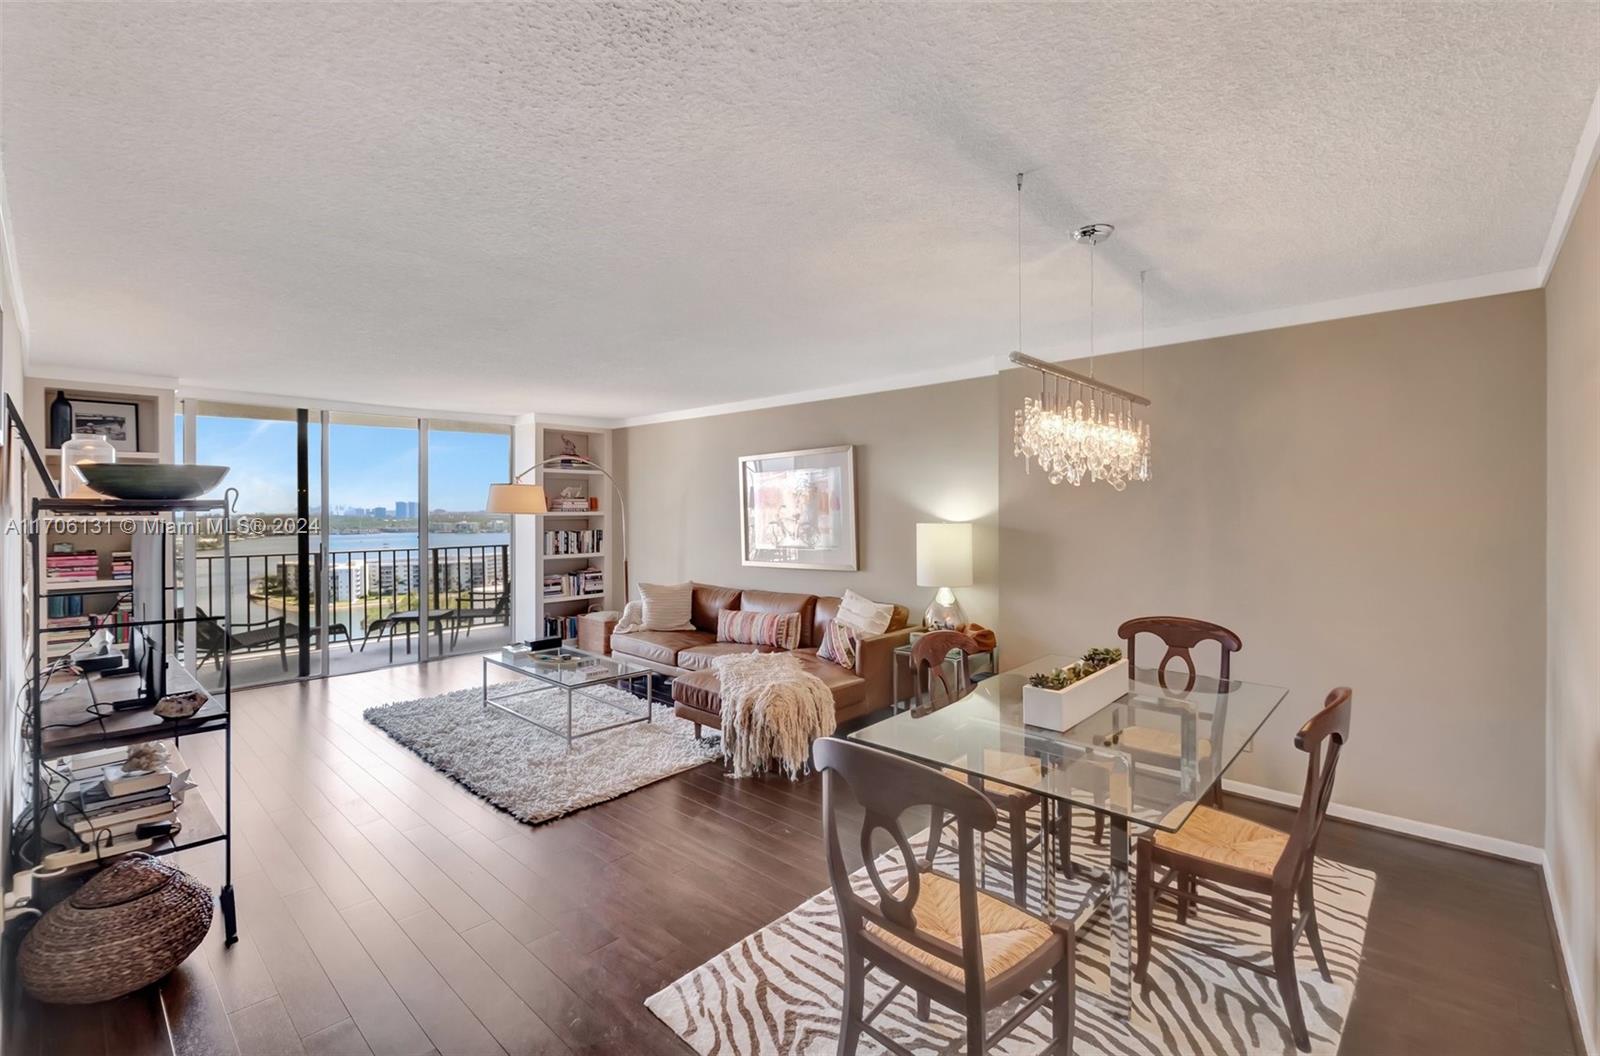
(797,509)
(116,421)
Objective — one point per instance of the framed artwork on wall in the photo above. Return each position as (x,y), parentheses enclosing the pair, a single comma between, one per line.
(117,422)
(797,509)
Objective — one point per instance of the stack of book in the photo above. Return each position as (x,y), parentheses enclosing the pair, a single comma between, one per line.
(561,626)
(122,566)
(571,504)
(587,541)
(105,803)
(71,567)
(571,584)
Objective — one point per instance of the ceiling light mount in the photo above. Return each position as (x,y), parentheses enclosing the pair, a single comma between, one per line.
(1094,234)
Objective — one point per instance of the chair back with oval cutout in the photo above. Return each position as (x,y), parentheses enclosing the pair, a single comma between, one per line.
(930,652)
(886,787)
(1180,634)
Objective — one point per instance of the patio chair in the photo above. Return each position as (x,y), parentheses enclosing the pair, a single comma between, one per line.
(211,639)
(495,613)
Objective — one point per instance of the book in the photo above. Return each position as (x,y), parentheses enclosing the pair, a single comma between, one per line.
(121,782)
(122,821)
(94,805)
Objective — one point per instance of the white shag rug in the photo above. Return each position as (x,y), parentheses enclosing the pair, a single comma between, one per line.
(778,991)
(530,773)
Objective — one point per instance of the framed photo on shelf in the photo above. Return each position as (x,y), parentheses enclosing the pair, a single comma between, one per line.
(797,509)
(117,422)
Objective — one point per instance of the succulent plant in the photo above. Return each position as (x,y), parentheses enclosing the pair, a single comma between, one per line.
(1096,659)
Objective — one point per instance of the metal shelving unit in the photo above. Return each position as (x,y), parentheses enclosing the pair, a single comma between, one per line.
(60,701)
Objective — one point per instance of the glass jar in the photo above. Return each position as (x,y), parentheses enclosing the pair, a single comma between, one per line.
(83,447)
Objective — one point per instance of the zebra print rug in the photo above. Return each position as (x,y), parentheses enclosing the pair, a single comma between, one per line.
(778,991)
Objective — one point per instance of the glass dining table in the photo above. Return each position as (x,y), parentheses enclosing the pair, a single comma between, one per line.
(1143,762)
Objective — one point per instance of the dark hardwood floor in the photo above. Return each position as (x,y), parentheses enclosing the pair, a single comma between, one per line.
(384,909)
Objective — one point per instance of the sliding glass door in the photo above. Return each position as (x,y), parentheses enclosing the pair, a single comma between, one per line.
(469,550)
(373,541)
(343,562)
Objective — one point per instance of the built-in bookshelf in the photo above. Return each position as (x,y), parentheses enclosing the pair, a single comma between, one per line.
(576,544)
(150,417)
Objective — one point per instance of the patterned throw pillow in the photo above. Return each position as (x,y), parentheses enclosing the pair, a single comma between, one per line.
(781,630)
(667,607)
(841,644)
(863,614)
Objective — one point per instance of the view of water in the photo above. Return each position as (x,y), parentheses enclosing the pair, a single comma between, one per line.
(465,557)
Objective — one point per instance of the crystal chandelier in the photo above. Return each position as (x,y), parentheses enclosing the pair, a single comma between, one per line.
(1079,428)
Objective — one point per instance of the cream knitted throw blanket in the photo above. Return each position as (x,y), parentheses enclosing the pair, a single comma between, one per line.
(772,708)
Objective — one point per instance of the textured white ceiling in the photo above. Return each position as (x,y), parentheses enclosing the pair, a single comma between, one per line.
(625,210)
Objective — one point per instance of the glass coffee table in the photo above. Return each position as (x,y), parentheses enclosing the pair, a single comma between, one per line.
(571,671)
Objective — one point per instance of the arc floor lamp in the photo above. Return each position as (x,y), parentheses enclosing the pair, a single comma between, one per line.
(517,497)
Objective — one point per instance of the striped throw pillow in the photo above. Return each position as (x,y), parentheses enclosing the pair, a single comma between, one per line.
(841,644)
(781,630)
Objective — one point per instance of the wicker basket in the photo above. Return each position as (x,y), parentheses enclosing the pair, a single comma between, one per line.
(124,929)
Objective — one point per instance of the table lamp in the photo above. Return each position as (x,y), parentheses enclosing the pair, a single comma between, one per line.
(944,560)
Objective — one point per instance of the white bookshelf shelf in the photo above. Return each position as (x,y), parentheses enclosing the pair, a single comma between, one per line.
(597,555)
(85,586)
(591,514)
(549,598)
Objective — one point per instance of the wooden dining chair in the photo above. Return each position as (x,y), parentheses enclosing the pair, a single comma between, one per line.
(1181,635)
(969,950)
(1224,853)
(928,656)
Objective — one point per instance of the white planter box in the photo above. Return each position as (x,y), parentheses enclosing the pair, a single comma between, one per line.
(1062,709)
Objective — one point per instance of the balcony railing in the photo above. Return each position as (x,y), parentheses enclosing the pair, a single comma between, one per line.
(468,586)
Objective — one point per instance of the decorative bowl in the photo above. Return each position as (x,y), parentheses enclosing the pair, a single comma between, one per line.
(143,481)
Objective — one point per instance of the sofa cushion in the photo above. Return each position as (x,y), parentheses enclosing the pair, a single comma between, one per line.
(847,687)
(781,601)
(702,690)
(709,601)
(700,657)
(659,647)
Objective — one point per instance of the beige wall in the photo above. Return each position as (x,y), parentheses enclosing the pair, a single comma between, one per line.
(1572,833)
(923,454)
(1362,502)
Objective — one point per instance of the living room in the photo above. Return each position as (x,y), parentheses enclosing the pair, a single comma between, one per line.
(822,528)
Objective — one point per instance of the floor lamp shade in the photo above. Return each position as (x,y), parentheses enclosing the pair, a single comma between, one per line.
(944,560)
(517,498)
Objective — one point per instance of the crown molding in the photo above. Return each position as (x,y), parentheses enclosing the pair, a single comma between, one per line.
(8,246)
(972,368)
(1583,162)
(1205,329)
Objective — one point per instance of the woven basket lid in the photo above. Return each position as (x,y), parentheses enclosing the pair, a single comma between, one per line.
(134,876)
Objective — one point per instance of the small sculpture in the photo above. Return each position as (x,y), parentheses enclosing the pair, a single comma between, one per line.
(569,447)
(150,755)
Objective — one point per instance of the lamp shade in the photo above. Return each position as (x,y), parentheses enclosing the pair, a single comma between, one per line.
(944,555)
(517,498)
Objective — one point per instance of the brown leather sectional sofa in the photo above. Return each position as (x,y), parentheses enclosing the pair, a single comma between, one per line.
(688,655)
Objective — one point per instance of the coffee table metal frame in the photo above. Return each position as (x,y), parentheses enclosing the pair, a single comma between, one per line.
(543,682)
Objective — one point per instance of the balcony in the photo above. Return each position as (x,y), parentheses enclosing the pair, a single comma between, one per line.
(373,597)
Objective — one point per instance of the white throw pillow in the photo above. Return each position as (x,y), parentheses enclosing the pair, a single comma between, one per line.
(864,615)
(668,607)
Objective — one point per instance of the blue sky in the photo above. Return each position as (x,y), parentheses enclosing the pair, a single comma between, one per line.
(367,465)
